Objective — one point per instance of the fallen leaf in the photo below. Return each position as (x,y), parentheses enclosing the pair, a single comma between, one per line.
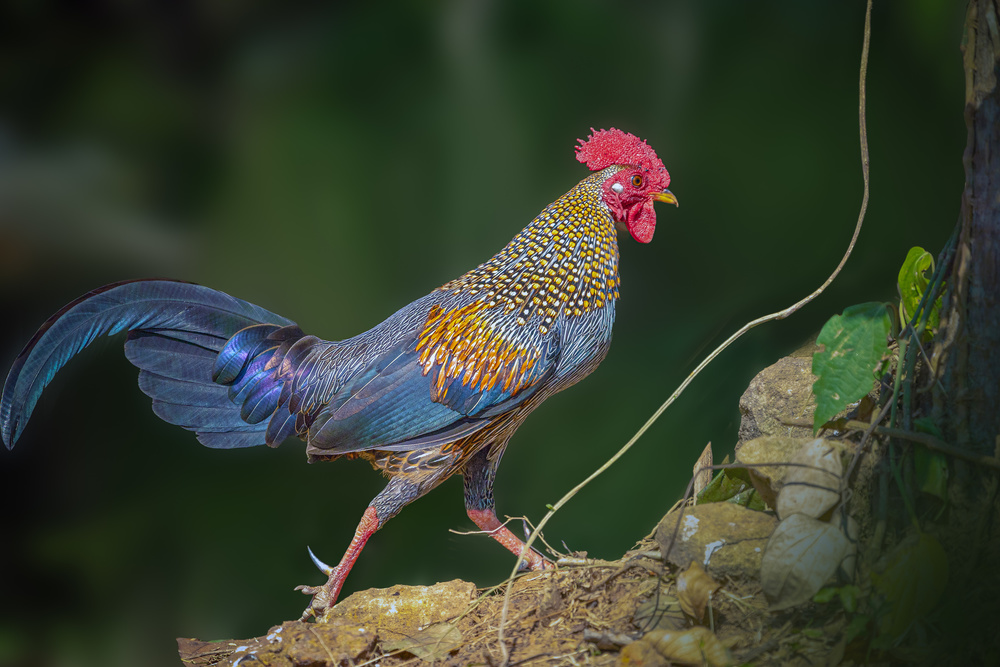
(800,557)
(696,646)
(640,654)
(434,642)
(660,612)
(812,485)
(694,590)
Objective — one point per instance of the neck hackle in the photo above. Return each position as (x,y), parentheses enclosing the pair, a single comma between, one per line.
(563,264)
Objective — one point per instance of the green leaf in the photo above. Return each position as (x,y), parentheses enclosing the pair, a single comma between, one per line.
(884,642)
(749,499)
(857,627)
(726,484)
(849,597)
(912,284)
(927,425)
(932,472)
(826,594)
(853,346)
(732,485)
(913,582)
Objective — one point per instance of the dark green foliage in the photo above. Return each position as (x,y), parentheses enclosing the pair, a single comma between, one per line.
(732,485)
(854,344)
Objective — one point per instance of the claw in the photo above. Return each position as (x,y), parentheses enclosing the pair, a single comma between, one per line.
(527,532)
(323,567)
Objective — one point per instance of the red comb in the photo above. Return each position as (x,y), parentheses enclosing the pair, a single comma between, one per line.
(604,148)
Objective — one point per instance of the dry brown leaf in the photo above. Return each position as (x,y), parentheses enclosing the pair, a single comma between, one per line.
(434,642)
(696,646)
(812,486)
(660,612)
(800,557)
(702,471)
(640,654)
(694,590)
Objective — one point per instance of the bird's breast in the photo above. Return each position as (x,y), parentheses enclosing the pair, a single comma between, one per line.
(585,342)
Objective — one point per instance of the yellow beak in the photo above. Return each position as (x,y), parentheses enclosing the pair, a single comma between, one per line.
(665,196)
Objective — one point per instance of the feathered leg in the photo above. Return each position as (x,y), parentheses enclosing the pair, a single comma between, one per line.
(479,505)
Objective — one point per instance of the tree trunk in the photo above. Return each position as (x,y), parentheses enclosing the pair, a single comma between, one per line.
(970,345)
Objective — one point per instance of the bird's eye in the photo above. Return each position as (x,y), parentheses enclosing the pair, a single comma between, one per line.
(637,181)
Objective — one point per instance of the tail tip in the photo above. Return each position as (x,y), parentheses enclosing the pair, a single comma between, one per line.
(9,432)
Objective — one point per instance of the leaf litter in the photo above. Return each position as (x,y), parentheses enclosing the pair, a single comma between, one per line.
(583,615)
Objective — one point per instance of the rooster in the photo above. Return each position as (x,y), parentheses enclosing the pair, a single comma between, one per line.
(436,389)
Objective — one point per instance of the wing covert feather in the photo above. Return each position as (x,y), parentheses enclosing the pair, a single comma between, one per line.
(445,378)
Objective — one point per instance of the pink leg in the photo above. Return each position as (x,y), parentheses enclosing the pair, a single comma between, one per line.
(487,520)
(325,596)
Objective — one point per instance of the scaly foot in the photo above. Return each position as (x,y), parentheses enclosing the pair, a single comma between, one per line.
(323,597)
(534,561)
(487,520)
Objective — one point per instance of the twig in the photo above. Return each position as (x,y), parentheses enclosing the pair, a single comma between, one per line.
(779,315)
(485,532)
(607,640)
(552,658)
(740,604)
(579,563)
(868,430)
(929,441)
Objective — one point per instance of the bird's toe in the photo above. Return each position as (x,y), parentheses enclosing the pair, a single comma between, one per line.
(320,603)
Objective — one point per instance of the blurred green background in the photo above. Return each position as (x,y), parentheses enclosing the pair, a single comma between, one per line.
(334,162)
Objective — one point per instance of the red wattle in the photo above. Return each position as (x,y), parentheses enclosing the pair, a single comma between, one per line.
(642,222)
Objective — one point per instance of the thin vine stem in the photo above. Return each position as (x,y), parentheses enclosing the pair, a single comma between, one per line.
(779,315)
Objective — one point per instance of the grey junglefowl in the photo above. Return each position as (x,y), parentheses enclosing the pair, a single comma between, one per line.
(436,389)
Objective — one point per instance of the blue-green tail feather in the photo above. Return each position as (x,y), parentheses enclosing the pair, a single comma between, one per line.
(182,337)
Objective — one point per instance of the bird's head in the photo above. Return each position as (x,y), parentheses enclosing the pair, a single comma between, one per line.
(630,191)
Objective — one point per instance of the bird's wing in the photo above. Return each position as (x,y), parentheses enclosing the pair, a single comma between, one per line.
(444,379)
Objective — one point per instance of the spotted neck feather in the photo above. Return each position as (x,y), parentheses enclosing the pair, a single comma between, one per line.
(563,264)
